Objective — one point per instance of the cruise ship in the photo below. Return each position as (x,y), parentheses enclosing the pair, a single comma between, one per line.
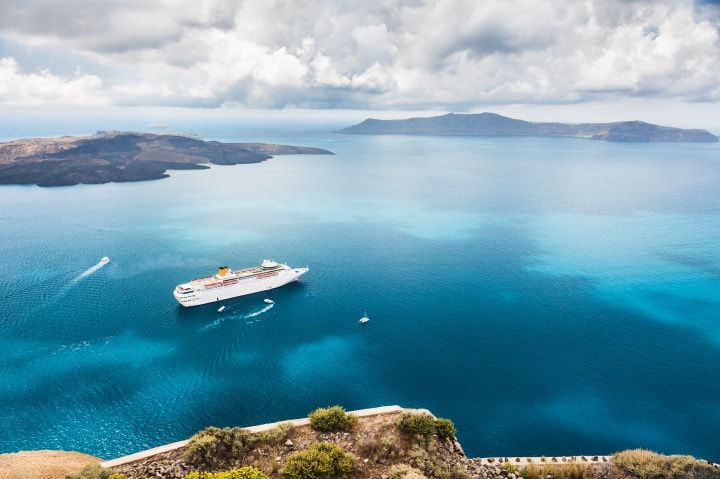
(226,283)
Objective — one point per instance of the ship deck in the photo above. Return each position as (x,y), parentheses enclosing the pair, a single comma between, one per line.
(233,275)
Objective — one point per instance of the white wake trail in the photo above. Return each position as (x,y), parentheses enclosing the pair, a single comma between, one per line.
(88,272)
(224,318)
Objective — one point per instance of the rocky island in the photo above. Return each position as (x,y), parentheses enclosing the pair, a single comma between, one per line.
(491,124)
(119,156)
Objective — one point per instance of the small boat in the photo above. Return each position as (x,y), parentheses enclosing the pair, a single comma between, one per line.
(364,319)
(221,309)
(268,301)
(104,260)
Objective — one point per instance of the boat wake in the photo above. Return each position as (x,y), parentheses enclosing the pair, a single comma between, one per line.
(91,270)
(224,318)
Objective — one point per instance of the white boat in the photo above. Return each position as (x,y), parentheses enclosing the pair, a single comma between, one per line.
(221,309)
(226,283)
(104,260)
(268,301)
(364,319)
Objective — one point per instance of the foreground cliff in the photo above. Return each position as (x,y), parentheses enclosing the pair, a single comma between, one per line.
(120,157)
(383,443)
(491,124)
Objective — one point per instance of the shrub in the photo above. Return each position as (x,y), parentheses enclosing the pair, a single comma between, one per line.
(651,465)
(509,467)
(332,419)
(214,447)
(319,461)
(117,475)
(420,459)
(384,449)
(558,471)
(403,471)
(275,436)
(91,471)
(246,472)
(422,424)
(445,429)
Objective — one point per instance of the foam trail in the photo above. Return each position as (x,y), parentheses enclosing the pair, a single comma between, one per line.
(224,318)
(88,272)
(258,313)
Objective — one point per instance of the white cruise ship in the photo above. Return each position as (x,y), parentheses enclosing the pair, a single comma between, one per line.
(228,284)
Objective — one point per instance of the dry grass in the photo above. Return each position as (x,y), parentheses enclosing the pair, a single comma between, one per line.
(645,464)
(558,471)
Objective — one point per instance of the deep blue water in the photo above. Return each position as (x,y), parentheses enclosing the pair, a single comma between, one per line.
(552,296)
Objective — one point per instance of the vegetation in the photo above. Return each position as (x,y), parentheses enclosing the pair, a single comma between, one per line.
(247,472)
(421,424)
(403,471)
(424,424)
(319,461)
(445,428)
(651,465)
(275,436)
(94,471)
(557,471)
(383,450)
(117,475)
(332,419)
(214,447)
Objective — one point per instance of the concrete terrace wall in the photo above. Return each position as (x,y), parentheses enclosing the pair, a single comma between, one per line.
(376,411)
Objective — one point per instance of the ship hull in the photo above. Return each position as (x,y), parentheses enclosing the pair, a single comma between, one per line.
(243,287)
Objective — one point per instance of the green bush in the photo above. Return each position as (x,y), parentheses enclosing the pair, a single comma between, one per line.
(319,461)
(91,471)
(117,475)
(214,447)
(651,465)
(275,436)
(444,428)
(332,419)
(246,472)
(422,424)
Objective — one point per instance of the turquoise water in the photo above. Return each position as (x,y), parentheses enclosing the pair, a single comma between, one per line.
(552,296)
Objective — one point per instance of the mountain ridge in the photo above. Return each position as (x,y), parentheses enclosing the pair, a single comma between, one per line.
(493,124)
(124,156)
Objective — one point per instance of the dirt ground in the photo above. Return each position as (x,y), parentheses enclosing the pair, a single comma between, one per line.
(42,464)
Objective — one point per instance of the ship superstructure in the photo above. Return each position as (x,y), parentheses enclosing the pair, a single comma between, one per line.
(226,283)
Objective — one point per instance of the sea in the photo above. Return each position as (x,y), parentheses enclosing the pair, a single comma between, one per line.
(551,296)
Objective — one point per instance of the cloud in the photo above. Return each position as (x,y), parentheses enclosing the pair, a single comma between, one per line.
(414,54)
(18,88)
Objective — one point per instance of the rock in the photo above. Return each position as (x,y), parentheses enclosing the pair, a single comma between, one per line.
(289,443)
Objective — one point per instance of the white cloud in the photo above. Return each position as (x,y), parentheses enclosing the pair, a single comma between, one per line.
(449,54)
(18,88)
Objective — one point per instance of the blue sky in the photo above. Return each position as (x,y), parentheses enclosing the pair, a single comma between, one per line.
(548,58)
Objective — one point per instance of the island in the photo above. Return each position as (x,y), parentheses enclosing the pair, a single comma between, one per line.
(124,156)
(491,124)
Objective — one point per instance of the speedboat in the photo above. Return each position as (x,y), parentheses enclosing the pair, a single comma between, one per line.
(268,301)
(364,319)
(104,260)
(221,309)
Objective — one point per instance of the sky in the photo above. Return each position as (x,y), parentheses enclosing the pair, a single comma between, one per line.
(535,59)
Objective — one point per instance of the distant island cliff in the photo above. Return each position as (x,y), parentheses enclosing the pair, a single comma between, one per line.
(491,124)
(119,157)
